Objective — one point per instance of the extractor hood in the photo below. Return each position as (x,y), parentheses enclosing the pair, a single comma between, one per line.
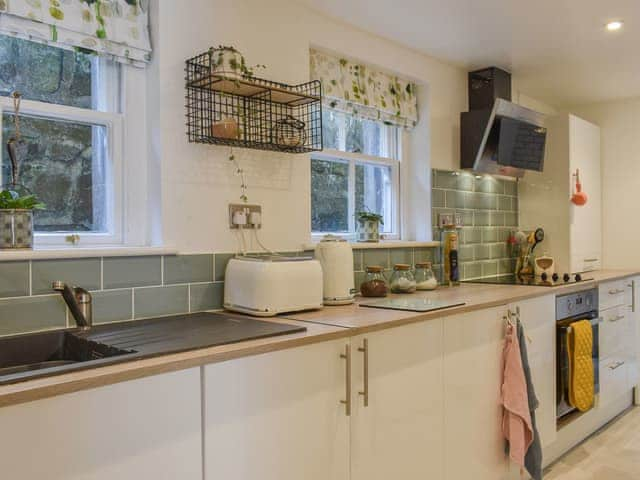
(497,136)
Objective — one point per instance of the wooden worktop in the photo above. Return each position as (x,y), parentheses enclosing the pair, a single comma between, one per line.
(327,324)
(475,296)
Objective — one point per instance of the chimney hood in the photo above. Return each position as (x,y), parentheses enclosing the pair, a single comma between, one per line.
(496,135)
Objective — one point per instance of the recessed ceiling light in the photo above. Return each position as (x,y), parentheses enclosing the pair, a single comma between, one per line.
(615,25)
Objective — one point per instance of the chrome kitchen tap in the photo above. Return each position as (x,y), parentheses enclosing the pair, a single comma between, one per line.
(79,302)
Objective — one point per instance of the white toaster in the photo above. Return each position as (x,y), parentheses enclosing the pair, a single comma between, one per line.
(267,286)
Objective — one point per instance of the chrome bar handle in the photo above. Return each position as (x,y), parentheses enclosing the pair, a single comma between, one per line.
(632,285)
(365,351)
(347,358)
(615,291)
(617,318)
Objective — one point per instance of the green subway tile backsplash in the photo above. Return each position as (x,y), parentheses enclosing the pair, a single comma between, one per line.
(29,314)
(14,279)
(160,301)
(76,271)
(489,209)
(188,269)
(206,296)
(112,305)
(122,272)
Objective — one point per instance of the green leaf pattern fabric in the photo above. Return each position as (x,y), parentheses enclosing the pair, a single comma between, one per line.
(364,91)
(116,28)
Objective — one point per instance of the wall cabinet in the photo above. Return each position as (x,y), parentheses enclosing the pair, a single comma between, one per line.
(147,428)
(278,416)
(398,432)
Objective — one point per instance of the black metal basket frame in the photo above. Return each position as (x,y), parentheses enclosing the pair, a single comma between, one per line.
(259,107)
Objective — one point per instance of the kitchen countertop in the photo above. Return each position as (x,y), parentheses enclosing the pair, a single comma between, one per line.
(476,296)
(54,385)
(327,324)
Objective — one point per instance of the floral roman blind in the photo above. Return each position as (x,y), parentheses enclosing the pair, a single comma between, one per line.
(117,28)
(369,93)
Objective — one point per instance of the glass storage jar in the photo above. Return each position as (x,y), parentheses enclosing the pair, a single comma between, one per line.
(402,280)
(425,279)
(374,285)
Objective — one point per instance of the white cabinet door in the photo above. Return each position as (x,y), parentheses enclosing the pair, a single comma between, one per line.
(399,434)
(586,221)
(473,441)
(538,318)
(278,416)
(147,428)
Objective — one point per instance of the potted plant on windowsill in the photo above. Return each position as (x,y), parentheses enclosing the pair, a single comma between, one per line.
(16,219)
(368,226)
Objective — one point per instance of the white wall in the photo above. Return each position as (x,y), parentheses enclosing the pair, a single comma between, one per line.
(620,153)
(197,182)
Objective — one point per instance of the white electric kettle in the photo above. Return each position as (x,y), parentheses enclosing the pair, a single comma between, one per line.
(336,258)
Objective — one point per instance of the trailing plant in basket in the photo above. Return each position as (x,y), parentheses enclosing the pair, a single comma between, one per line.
(11,200)
(237,63)
(365,216)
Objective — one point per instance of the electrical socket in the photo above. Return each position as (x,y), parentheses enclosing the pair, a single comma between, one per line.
(247,209)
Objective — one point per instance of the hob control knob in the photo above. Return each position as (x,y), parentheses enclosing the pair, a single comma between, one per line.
(544,276)
(555,277)
(566,277)
(578,277)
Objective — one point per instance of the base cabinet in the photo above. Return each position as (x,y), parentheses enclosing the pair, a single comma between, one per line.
(398,433)
(278,416)
(538,319)
(473,442)
(147,428)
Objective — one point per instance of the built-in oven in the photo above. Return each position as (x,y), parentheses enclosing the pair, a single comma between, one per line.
(571,308)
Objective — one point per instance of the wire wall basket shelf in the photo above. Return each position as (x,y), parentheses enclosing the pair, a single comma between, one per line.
(251,112)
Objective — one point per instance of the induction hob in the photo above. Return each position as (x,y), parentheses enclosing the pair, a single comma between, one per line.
(554,281)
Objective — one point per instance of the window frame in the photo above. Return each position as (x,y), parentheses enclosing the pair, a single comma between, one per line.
(113,123)
(122,108)
(393,141)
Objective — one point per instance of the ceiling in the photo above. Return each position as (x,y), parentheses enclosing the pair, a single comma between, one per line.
(558,49)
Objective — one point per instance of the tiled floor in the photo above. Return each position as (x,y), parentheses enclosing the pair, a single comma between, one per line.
(611,454)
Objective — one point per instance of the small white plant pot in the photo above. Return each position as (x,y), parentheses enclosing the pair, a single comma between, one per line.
(227,63)
(368,231)
(16,229)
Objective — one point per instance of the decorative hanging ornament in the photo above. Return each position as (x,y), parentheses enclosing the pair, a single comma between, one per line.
(578,198)
(12,143)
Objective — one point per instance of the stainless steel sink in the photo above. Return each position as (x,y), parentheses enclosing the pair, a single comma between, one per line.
(41,354)
(24,355)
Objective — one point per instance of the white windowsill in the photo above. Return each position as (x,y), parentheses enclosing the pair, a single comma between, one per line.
(83,252)
(383,244)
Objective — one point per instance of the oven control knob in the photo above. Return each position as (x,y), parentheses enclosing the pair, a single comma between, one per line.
(555,277)
(569,305)
(544,276)
(578,277)
(566,277)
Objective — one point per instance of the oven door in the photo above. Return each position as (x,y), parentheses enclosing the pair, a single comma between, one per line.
(563,407)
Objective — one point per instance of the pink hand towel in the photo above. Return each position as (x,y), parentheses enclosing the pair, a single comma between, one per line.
(516,418)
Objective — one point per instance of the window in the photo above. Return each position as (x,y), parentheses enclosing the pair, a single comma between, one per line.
(358,170)
(70,125)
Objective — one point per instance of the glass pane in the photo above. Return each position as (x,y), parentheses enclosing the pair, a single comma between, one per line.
(360,136)
(44,73)
(331,129)
(365,136)
(63,164)
(329,196)
(374,192)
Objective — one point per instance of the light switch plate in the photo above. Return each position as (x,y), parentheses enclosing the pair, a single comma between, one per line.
(247,209)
